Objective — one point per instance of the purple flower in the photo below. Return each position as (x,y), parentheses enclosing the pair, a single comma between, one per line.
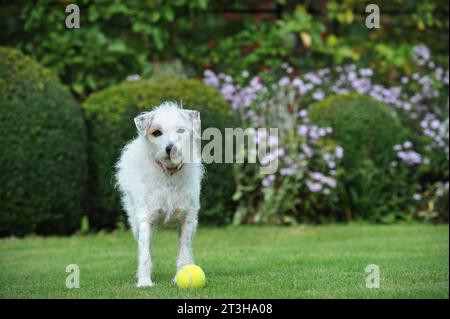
(440,192)
(210,78)
(318,95)
(322,132)
(313,78)
(331,164)
(435,124)
(284,81)
(421,54)
(314,133)
(366,72)
(330,181)
(339,152)
(316,175)
(297,82)
(352,76)
(288,160)
(227,92)
(289,171)
(268,180)
(303,130)
(407,144)
(322,179)
(313,186)
(255,82)
(308,151)
(439,73)
(303,113)
(327,157)
(407,106)
(410,157)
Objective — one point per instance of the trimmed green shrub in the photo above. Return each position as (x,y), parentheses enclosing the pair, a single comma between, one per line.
(110,116)
(365,127)
(42,150)
(367,130)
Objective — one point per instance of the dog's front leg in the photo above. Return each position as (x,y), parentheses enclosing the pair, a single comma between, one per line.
(185,235)
(145,234)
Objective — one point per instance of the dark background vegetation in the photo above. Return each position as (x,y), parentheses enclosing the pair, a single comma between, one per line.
(175,40)
(119,38)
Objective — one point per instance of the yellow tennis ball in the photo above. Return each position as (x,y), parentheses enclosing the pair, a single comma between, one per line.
(191,276)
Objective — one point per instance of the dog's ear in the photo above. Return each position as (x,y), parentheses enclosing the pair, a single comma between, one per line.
(143,121)
(193,115)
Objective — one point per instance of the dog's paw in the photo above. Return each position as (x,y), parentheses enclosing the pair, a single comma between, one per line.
(145,283)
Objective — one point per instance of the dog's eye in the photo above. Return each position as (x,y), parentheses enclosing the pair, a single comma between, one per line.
(156,133)
(180,130)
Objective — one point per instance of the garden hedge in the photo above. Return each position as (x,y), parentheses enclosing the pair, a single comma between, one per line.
(110,114)
(43,160)
(367,130)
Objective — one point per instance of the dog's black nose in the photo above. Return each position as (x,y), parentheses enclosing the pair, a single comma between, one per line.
(169,149)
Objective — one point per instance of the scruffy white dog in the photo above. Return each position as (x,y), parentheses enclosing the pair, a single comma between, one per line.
(159,175)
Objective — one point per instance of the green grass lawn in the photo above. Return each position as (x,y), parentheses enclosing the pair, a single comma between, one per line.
(244,262)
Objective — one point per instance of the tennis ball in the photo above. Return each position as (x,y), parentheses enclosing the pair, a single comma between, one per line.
(191,276)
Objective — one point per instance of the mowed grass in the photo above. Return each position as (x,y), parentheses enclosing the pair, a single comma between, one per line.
(242,262)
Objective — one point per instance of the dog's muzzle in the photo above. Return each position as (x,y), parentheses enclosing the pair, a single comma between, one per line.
(170,170)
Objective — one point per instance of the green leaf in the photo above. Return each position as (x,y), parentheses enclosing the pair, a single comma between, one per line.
(157,38)
(78,87)
(93,13)
(237,196)
(155,16)
(84,228)
(117,47)
(90,81)
(168,14)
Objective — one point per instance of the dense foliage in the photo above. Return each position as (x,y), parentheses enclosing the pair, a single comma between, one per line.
(118,38)
(115,39)
(42,150)
(110,121)
(277,63)
(367,131)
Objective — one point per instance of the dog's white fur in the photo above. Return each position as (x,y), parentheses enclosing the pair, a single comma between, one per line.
(150,191)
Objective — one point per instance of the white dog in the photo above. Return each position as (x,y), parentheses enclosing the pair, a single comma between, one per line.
(159,175)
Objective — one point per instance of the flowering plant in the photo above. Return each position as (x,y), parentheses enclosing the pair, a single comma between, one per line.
(307,156)
(310,168)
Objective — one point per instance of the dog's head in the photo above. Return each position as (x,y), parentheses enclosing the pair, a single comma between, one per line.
(170,132)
